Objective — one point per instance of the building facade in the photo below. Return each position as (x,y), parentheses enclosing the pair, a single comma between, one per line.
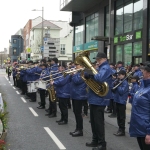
(120,28)
(16,47)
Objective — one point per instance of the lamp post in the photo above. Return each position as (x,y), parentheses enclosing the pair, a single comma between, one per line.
(42,42)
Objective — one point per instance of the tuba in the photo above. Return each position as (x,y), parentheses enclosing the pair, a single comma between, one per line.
(51,91)
(101,89)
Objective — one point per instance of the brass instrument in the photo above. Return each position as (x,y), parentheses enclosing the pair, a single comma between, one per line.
(51,91)
(65,73)
(129,74)
(100,89)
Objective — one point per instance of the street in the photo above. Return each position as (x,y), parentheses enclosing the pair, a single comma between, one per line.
(30,129)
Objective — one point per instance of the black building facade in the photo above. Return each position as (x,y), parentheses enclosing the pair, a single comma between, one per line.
(120,28)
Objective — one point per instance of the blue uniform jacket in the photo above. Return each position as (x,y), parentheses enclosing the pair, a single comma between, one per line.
(78,88)
(133,90)
(45,74)
(121,93)
(113,70)
(140,114)
(138,73)
(14,72)
(23,74)
(62,86)
(121,68)
(104,75)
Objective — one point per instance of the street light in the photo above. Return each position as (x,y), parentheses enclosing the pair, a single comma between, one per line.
(42,28)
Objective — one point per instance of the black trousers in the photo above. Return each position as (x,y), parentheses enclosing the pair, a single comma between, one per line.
(97,124)
(121,116)
(42,96)
(112,106)
(142,144)
(63,105)
(14,79)
(52,107)
(33,96)
(69,103)
(85,107)
(77,109)
(24,87)
(9,74)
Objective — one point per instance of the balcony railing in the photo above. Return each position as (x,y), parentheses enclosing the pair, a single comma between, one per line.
(63,3)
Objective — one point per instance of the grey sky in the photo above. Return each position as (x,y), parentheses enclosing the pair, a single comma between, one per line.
(14,14)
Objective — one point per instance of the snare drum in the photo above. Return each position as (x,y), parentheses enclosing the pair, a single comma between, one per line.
(41,84)
(33,87)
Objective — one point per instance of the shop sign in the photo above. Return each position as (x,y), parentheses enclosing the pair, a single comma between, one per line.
(91,45)
(78,48)
(128,37)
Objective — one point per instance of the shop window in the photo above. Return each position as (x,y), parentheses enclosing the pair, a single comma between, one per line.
(107,21)
(128,54)
(138,14)
(119,49)
(91,26)
(79,35)
(14,41)
(137,49)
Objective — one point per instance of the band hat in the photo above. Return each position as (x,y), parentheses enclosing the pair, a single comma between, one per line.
(145,64)
(147,67)
(55,60)
(45,65)
(135,77)
(112,64)
(120,62)
(122,72)
(49,60)
(101,55)
(136,65)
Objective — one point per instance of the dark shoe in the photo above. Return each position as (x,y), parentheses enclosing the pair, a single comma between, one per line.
(116,132)
(92,144)
(39,103)
(108,111)
(62,123)
(47,110)
(52,116)
(120,133)
(128,122)
(77,133)
(22,94)
(41,107)
(69,107)
(99,148)
(59,120)
(47,114)
(73,132)
(31,101)
(112,116)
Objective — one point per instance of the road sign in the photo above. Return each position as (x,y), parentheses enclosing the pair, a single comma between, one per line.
(42,48)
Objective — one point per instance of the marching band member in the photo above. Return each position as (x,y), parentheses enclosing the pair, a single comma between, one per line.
(79,98)
(52,110)
(120,66)
(14,73)
(120,97)
(140,113)
(62,85)
(44,73)
(98,104)
(9,71)
(137,70)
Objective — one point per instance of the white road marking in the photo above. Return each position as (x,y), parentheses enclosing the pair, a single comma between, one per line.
(33,112)
(6,78)
(11,84)
(54,138)
(17,92)
(14,88)
(23,100)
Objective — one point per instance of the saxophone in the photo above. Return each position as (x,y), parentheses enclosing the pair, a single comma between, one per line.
(51,91)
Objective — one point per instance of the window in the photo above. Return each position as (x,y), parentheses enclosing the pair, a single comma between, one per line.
(107,21)
(129,16)
(62,49)
(137,49)
(14,41)
(14,51)
(79,35)
(127,54)
(119,53)
(138,14)
(91,26)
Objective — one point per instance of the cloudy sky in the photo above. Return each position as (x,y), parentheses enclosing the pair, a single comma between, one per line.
(14,14)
